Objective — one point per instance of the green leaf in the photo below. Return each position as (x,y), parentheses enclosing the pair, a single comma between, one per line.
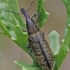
(12,24)
(65,44)
(25,66)
(43,15)
(13,5)
(54,41)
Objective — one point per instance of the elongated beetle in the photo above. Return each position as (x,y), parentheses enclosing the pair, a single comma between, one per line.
(38,43)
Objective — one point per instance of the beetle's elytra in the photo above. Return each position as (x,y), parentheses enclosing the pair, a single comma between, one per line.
(38,43)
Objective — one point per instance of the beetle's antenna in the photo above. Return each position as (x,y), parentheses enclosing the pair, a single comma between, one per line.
(21,12)
(15,12)
(30,6)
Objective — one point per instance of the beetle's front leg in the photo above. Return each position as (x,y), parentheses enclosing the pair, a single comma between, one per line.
(35,17)
(24,29)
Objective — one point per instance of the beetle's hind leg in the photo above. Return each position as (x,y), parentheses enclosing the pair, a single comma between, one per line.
(30,52)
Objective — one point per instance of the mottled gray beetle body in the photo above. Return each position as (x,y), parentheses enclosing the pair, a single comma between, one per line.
(39,44)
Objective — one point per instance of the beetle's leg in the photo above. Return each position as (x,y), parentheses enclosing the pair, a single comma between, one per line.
(30,51)
(24,30)
(28,46)
(35,17)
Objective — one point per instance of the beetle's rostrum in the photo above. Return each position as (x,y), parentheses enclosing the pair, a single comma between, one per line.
(38,43)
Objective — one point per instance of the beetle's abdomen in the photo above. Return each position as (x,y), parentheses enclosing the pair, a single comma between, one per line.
(41,50)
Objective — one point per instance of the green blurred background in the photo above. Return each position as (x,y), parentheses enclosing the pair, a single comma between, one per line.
(10,52)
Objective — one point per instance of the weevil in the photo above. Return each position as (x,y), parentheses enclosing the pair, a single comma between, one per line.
(38,43)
